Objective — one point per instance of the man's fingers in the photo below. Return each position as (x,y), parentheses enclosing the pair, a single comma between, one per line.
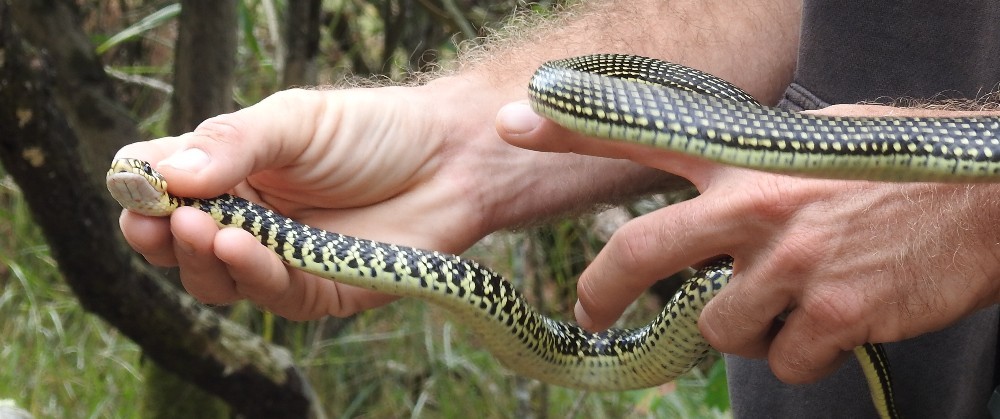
(800,355)
(818,332)
(519,125)
(740,319)
(203,275)
(643,251)
(260,275)
(150,236)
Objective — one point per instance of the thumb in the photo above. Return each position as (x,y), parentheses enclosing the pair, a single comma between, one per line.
(520,126)
(203,163)
(222,151)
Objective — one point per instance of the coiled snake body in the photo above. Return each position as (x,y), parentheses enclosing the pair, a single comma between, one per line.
(631,99)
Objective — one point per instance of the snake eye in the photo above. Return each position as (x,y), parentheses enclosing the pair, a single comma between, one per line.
(146,168)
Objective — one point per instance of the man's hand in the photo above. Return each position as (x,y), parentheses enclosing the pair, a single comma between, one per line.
(295,153)
(411,166)
(850,262)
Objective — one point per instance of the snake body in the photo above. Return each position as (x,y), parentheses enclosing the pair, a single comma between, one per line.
(637,100)
(519,337)
(590,95)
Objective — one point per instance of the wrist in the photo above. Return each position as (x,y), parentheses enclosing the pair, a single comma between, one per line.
(966,235)
(982,220)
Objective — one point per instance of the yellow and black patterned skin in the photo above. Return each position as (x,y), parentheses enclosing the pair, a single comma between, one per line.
(875,365)
(530,344)
(579,94)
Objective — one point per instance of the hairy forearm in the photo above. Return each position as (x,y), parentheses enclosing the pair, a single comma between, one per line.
(749,43)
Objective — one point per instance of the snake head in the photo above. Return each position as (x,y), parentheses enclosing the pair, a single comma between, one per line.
(138,187)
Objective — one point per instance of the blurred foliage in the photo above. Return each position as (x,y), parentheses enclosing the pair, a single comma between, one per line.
(407,360)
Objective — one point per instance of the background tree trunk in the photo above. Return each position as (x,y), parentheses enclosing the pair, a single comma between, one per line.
(203,63)
(302,38)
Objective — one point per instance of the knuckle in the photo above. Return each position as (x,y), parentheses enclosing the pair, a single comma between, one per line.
(833,309)
(222,129)
(800,254)
(774,202)
(627,266)
(632,247)
(795,366)
(796,255)
(632,256)
(733,328)
(228,128)
(591,298)
(587,293)
(803,363)
(289,98)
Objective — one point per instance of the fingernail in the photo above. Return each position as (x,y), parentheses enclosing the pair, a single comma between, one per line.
(189,160)
(517,118)
(582,318)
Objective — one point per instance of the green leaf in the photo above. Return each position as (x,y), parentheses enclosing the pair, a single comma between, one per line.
(717,390)
(147,23)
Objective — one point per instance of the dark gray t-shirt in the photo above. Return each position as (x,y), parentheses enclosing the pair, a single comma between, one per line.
(882,50)
(865,50)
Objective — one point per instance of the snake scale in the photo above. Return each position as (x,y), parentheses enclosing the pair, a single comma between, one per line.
(625,98)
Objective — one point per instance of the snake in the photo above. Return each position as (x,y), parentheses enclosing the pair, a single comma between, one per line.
(611,97)
(520,338)
(622,98)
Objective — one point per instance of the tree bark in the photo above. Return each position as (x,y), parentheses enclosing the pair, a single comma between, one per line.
(302,39)
(41,149)
(204,61)
(80,83)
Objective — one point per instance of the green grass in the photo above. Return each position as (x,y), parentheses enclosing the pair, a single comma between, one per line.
(55,359)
